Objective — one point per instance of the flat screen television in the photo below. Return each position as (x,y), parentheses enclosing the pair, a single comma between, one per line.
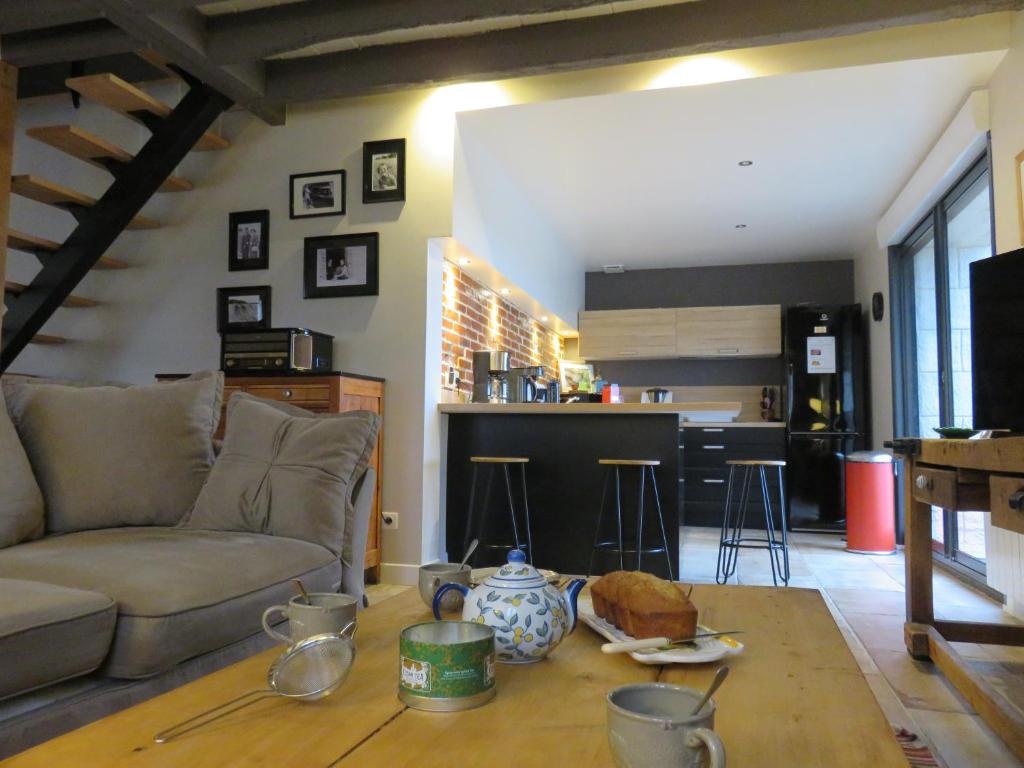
(997,341)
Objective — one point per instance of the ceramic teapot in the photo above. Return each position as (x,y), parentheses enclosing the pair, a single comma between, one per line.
(529,616)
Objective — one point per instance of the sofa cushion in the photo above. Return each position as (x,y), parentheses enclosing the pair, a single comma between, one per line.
(50,633)
(114,456)
(21,502)
(179,593)
(286,472)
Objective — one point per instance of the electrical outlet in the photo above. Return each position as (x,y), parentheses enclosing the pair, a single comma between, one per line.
(390,520)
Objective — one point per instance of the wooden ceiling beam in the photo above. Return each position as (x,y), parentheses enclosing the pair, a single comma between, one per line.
(68,42)
(621,38)
(264,32)
(26,15)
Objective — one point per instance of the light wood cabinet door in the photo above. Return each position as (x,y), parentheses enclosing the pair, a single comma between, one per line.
(628,334)
(750,331)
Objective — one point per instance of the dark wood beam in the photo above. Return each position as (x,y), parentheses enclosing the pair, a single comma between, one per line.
(48,79)
(69,42)
(621,38)
(24,15)
(179,35)
(257,34)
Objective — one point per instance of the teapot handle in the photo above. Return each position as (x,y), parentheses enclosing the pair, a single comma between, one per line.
(441,592)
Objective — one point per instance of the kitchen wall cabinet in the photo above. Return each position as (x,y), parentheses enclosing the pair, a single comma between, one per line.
(651,334)
(752,331)
(628,334)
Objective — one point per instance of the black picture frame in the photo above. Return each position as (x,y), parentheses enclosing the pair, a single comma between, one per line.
(241,255)
(225,309)
(314,197)
(384,160)
(326,257)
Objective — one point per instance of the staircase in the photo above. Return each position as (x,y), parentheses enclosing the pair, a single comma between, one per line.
(174,133)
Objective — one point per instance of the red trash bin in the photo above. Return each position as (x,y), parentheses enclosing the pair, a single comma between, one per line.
(870,503)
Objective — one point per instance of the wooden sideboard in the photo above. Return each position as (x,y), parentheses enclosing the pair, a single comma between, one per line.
(985,475)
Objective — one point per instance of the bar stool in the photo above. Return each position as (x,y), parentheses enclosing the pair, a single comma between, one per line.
(618,545)
(730,545)
(491,462)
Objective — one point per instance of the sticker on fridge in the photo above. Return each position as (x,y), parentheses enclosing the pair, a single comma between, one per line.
(821,354)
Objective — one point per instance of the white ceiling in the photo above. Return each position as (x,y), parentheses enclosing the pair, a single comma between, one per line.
(650,179)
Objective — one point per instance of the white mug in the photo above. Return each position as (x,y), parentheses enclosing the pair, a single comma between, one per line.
(326,613)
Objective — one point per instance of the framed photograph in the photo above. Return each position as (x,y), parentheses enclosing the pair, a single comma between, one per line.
(241,308)
(384,171)
(576,377)
(316,194)
(340,265)
(248,240)
(1019,162)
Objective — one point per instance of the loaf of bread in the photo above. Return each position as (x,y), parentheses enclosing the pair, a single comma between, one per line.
(642,605)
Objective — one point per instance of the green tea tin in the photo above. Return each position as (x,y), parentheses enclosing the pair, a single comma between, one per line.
(446,666)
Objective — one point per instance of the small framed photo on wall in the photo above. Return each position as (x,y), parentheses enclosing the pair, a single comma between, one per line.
(243,308)
(384,171)
(341,265)
(316,194)
(249,240)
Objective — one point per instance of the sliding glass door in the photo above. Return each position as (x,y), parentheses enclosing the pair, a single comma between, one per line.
(932,336)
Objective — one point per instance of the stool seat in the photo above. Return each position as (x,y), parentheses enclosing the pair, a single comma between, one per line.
(755,463)
(630,462)
(499,460)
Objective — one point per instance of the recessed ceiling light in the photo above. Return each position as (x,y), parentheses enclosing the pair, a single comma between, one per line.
(745,163)
(741,226)
(543,318)
(465,262)
(506,291)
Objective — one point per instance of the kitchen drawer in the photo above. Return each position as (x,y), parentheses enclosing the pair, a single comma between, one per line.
(1007,502)
(948,489)
(710,456)
(695,437)
(306,395)
(711,484)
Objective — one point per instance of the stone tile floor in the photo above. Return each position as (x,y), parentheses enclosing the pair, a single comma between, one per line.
(865,594)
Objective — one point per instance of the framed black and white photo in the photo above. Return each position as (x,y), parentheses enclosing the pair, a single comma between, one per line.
(317,194)
(249,240)
(384,171)
(340,265)
(241,308)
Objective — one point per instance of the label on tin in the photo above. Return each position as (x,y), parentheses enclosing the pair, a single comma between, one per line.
(416,674)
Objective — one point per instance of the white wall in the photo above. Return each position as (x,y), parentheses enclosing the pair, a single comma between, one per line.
(871,273)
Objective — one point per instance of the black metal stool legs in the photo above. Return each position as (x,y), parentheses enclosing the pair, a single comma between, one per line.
(732,539)
(597,528)
(526,514)
(478,522)
(661,524)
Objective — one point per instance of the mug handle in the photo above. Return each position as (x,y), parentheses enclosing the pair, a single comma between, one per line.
(711,740)
(349,632)
(283,609)
(441,592)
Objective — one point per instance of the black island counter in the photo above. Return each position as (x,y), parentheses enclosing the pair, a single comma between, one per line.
(565,480)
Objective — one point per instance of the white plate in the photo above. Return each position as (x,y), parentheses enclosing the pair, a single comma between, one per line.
(707,649)
(479,574)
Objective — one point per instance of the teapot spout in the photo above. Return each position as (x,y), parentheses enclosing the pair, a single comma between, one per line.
(570,593)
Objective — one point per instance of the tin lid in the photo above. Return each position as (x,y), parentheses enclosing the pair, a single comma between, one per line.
(869,457)
(516,573)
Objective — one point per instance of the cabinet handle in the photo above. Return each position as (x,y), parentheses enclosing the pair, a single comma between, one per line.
(631,353)
(713,429)
(1016,501)
(713,447)
(287,393)
(728,350)
(923,482)
(713,481)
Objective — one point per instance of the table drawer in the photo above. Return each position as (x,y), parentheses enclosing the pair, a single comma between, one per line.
(303,394)
(949,489)
(1007,502)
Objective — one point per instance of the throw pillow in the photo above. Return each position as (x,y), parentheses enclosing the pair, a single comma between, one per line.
(108,456)
(21,502)
(285,471)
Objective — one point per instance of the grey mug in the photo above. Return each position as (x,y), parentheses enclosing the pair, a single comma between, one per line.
(433,575)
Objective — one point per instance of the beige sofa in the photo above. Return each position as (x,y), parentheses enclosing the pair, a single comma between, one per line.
(136,601)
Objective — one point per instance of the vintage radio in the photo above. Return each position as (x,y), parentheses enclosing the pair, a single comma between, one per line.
(276,349)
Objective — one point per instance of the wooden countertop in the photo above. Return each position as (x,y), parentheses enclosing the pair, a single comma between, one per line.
(588,408)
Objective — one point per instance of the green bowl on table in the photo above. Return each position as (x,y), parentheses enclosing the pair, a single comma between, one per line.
(956,433)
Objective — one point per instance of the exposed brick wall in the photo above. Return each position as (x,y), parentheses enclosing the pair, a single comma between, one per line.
(475,317)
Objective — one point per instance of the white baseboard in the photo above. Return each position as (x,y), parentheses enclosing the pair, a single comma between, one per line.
(406,574)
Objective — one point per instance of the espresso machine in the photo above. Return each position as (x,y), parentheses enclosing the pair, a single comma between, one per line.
(523,386)
(490,376)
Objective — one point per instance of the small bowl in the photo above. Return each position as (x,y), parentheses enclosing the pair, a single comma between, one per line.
(956,433)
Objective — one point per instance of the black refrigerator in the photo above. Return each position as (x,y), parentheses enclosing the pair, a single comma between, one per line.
(826,411)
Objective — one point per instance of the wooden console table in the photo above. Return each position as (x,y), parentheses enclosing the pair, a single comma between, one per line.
(961,475)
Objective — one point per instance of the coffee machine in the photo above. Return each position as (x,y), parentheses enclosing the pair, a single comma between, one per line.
(523,387)
(490,376)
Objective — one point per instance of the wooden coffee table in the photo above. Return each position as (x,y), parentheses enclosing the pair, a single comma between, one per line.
(795,697)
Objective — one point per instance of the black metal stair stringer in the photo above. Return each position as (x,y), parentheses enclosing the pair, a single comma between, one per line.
(98,226)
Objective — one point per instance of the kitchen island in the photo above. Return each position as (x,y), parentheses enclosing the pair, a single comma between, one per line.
(564,442)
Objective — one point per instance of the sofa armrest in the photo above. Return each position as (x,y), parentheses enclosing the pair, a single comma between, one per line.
(352,574)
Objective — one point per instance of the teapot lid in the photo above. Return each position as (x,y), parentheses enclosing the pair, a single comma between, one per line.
(516,573)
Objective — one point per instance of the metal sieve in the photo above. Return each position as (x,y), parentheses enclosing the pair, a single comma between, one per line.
(309,670)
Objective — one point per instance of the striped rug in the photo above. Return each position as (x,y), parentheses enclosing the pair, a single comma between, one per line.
(917,754)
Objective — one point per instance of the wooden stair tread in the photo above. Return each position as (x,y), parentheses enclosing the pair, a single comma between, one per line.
(22,241)
(43,338)
(116,94)
(82,144)
(51,193)
(10,286)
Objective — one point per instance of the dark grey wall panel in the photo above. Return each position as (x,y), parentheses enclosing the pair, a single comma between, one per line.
(821,282)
